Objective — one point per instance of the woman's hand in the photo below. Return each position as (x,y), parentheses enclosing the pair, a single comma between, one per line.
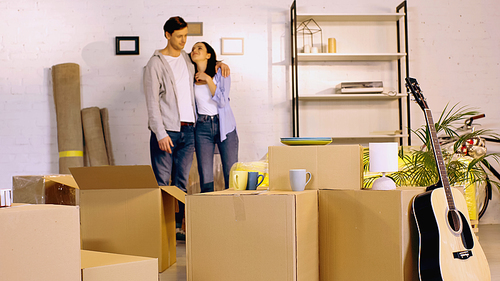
(202,77)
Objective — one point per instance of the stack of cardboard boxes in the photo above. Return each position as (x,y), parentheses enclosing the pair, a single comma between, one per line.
(332,231)
(42,242)
(121,210)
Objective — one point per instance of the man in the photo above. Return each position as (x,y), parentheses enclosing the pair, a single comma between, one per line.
(168,86)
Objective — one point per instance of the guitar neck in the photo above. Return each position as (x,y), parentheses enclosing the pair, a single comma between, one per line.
(438,156)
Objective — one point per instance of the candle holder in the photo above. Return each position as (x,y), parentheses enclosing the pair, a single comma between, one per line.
(309,28)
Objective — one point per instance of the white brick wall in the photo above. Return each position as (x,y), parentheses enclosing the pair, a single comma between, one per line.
(454,55)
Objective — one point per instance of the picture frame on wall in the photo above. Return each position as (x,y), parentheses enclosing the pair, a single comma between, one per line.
(195,29)
(127,45)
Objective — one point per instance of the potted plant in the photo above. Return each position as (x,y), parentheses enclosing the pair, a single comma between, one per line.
(418,165)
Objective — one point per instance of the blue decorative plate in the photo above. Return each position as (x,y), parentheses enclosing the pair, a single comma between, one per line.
(306,141)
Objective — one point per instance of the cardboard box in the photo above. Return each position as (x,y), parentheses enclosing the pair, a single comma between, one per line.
(368,235)
(99,266)
(124,211)
(331,166)
(252,235)
(39,242)
(45,189)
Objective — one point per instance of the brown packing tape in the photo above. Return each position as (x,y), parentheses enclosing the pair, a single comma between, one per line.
(239,208)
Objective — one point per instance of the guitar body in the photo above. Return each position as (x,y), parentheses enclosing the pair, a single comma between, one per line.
(446,254)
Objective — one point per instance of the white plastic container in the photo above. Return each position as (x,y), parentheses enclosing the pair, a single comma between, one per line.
(5,197)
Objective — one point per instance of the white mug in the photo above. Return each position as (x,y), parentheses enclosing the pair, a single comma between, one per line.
(298,179)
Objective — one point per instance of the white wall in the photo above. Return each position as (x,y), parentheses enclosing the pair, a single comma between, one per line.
(454,55)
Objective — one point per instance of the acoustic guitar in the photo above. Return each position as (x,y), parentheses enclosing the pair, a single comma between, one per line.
(448,249)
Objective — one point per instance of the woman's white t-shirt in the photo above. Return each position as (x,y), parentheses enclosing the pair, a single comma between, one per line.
(204,102)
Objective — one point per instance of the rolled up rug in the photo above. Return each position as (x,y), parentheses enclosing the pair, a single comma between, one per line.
(66,87)
(94,136)
(107,135)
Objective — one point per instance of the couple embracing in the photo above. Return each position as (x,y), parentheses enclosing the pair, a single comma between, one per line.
(187,97)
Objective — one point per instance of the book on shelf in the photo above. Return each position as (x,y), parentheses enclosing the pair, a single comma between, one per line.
(361,87)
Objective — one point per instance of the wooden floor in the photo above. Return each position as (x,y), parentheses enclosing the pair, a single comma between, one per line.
(177,272)
(489,237)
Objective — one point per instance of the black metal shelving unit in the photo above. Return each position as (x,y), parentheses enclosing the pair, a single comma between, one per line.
(294,70)
(402,47)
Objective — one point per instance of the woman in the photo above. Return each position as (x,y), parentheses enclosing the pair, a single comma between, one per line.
(215,124)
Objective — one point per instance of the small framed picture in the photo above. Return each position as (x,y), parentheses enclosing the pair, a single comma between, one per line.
(127,45)
(195,29)
(232,46)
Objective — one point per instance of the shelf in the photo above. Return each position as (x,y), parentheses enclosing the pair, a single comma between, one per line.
(372,137)
(351,97)
(352,17)
(371,45)
(350,57)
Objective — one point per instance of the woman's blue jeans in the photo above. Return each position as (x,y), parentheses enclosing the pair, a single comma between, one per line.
(207,135)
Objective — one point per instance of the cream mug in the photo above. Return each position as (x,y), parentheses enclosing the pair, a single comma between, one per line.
(240,179)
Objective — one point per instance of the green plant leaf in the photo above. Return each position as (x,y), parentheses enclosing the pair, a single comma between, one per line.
(419,166)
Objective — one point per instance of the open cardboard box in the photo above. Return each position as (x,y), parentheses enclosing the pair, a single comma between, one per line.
(124,211)
(252,235)
(99,266)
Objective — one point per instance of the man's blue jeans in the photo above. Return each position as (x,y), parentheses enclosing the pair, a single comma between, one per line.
(173,166)
(207,136)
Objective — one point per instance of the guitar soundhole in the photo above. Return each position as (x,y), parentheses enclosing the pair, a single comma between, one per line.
(454,220)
